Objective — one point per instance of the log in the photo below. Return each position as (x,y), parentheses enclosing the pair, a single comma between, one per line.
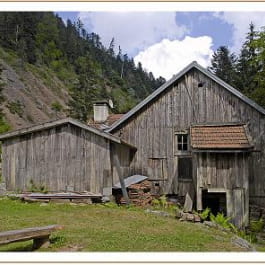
(40,235)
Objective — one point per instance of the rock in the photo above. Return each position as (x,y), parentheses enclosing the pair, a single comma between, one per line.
(240,242)
(197,218)
(44,204)
(105,199)
(210,224)
(190,217)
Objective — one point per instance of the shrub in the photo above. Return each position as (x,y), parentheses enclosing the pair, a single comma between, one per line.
(56,106)
(34,188)
(221,220)
(156,203)
(205,214)
(15,107)
(250,237)
(163,201)
(257,226)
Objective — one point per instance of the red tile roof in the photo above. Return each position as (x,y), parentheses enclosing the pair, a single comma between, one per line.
(113,118)
(219,137)
(110,120)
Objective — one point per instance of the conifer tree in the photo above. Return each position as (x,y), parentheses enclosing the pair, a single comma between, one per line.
(223,65)
(247,64)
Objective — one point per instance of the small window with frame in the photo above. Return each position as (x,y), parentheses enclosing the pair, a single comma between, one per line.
(181,142)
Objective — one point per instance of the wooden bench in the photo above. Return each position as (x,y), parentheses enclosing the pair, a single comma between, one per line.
(40,235)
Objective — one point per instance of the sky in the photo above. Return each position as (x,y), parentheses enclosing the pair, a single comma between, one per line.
(165,42)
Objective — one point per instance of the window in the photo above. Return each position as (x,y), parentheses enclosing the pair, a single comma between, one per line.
(185,168)
(182,140)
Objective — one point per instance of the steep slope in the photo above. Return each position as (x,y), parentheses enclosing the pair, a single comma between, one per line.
(51,69)
(28,97)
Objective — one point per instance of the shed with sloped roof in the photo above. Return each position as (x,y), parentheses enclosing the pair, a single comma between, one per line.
(63,155)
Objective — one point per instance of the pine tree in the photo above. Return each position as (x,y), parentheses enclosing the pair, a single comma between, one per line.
(111,48)
(258,85)
(223,65)
(247,65)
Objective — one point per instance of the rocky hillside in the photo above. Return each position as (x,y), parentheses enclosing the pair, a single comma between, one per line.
(31,94)
(50,68)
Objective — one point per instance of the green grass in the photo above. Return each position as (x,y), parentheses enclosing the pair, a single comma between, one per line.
(101,228)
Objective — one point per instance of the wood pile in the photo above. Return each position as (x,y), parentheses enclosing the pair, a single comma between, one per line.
(139,194)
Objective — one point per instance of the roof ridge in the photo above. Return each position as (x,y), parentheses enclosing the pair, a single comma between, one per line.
(158,91)
(57,122)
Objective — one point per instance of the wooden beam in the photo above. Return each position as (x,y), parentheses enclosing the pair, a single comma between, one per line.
(40,235)
(116,162)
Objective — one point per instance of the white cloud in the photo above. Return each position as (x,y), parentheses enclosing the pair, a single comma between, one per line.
(133,31)
(167,58)
(240,22)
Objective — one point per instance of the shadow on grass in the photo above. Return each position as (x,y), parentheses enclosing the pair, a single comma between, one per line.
(56,241)
(18,247)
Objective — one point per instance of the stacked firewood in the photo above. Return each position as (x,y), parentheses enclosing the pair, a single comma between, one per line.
(139,194)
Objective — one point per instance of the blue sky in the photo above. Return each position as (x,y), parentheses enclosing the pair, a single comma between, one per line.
(165,42)
(204,23)
(199,24)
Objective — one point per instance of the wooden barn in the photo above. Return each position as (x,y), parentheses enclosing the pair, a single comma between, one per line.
(225,170)
(63,155)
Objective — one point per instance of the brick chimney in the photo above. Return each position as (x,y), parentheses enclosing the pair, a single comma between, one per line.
(101,110)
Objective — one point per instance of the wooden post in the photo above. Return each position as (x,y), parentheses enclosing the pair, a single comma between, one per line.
(41,242)
(118,168)
(246,189)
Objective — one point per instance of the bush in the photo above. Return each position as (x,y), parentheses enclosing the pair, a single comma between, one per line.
(250,237)
(34,188)
(257,226)
(56,106)
(224,222)
(163,201)
(15,107)
(156,203)
(221,220)
(205,214)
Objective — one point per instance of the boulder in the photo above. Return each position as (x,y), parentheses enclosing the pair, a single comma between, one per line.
(240,242)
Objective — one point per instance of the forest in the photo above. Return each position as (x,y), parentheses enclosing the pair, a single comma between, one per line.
(91,71)
(245,71)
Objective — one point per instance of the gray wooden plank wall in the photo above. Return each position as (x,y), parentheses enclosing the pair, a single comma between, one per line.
(58,158)
(152,129)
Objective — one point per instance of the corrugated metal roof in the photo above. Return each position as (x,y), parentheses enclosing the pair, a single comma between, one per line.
(158,91)
(219,137)
(131,180)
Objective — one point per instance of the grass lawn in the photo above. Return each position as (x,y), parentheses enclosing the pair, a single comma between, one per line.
(103,228)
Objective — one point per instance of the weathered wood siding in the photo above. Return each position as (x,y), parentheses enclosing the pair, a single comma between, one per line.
(227,172)
(125,156)
(60,158)
(152,129)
